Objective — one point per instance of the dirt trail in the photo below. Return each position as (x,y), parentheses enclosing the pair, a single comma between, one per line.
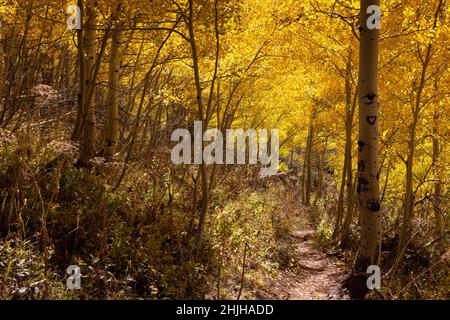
(318,277)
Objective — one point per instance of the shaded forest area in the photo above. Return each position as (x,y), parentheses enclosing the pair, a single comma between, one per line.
(91,92)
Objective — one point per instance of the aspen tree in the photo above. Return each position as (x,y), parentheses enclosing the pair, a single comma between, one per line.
(76,134)
(417,106)
(202,117)
(440,222)
(347,171)
(308,163)
(368,157)
(307,167)
(2,66)
(112,126)
(90,47)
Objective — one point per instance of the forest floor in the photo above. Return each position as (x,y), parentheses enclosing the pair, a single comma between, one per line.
(315,276)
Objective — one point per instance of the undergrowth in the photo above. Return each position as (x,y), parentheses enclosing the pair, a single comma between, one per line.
(133,241)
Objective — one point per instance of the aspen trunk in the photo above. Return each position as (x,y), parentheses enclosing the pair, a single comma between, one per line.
(368,158)
(417,107)
(345,232)
(112,125)
(408,202)
(2,73)
(440,222)
(202,117)
(308,165)
(347,174)
(76,134)
(309,168)
(303,182)
(350,182)
(340,205)
(90,46)
(62,63)
(320,175)
(440,225)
